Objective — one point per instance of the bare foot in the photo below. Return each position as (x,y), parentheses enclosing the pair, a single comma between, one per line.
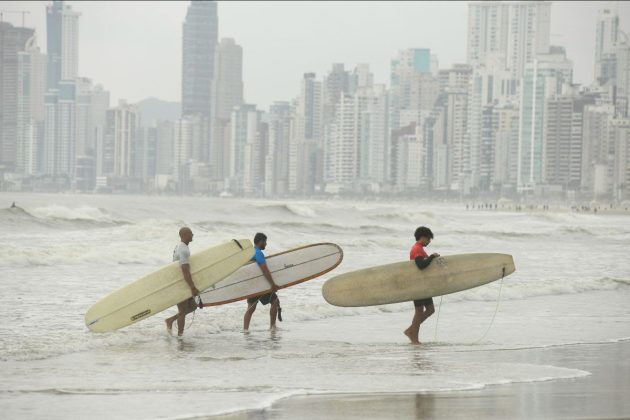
(169,325)
(411,338)
(273,328)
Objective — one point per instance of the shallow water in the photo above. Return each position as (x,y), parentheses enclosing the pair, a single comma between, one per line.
(61,253)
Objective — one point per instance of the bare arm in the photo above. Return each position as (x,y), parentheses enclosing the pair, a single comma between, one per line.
(189,280)
(267,275)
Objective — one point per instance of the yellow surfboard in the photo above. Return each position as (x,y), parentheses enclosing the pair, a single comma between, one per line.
(166,287)
(403,281)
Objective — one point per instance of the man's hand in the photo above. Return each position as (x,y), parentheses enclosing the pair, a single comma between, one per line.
(194,291)
(274,287)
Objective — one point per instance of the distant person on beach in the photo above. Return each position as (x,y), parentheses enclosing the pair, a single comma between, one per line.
(260,243)
(13,205)
(181,253)
(424,307)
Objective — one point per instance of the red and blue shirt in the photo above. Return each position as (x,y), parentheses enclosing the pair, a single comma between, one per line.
(417,250)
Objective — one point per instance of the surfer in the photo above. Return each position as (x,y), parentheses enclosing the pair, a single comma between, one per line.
(423,307)
(260,243)
(181,253)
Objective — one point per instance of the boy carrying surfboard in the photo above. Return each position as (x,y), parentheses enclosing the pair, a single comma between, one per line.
(260,243)
(423,307)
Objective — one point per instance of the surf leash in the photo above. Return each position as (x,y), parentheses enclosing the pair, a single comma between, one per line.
(496,309)
(437,319)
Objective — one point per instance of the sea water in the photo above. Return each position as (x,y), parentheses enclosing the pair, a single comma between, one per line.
(61,253)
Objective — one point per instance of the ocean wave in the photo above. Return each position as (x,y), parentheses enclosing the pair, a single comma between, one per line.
(301,210)
(56,216)
(419,217)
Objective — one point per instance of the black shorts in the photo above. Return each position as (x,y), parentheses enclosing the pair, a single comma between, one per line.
(190,305)
(264,299)
(423,302)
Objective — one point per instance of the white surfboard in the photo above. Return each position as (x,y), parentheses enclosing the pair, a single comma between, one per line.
(403,281)
(166,287)
(287,269)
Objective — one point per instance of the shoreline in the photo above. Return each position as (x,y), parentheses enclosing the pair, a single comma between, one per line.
(601,394)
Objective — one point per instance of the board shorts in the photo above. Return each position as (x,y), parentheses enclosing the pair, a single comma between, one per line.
(423,302)
(190,305)
(264,299)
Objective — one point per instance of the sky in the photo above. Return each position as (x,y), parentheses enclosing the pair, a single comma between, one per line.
(133,48)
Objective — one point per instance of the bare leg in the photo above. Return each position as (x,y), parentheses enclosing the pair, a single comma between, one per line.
(426,312)
(181,318)
(412,331)
(273,313)
(248,315)
(169,322)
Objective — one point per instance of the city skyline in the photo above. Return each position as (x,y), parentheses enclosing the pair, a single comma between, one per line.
(398,25)
(498,124)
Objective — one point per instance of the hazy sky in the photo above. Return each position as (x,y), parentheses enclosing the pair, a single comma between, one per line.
(134,48)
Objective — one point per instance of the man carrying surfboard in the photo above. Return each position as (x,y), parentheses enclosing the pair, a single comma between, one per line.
(260,243)
(424,307)
(181,253)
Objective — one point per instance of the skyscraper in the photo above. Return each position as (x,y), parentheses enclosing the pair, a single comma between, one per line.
(543,78)
(199,44)
(62,27)
(517,31)
(228,78)
(606,35)
(12,41)
(31,87)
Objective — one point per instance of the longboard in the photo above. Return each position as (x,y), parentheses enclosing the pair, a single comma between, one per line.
(166,287)
(403,281)
(287,269)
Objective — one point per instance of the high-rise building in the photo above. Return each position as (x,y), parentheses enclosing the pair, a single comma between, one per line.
(621,165)
(244,126)
(598,149)
(411,157)
(164,148)
(12,41)
(505,130)
(622,74)
(413,85)
(62,28)
(516,31)
(336,83)
(60,130)
(452,152)
(199,44)
(306,146)
(31,85)
(563,139)
(189,143)
(606,34)
(122,124)
(491,84)
(228,78)
(375,136)
(278,149)
(545,77)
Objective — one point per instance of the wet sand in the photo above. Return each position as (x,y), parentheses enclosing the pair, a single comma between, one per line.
(604,394)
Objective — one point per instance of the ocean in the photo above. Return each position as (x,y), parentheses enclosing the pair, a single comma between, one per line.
(60,253)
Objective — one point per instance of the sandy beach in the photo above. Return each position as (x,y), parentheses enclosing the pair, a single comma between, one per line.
(601,395)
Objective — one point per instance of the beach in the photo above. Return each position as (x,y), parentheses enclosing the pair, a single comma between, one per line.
(601,395)
(549,341)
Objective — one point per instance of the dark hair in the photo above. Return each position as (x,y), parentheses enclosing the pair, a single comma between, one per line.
(423,231)
(259,237)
